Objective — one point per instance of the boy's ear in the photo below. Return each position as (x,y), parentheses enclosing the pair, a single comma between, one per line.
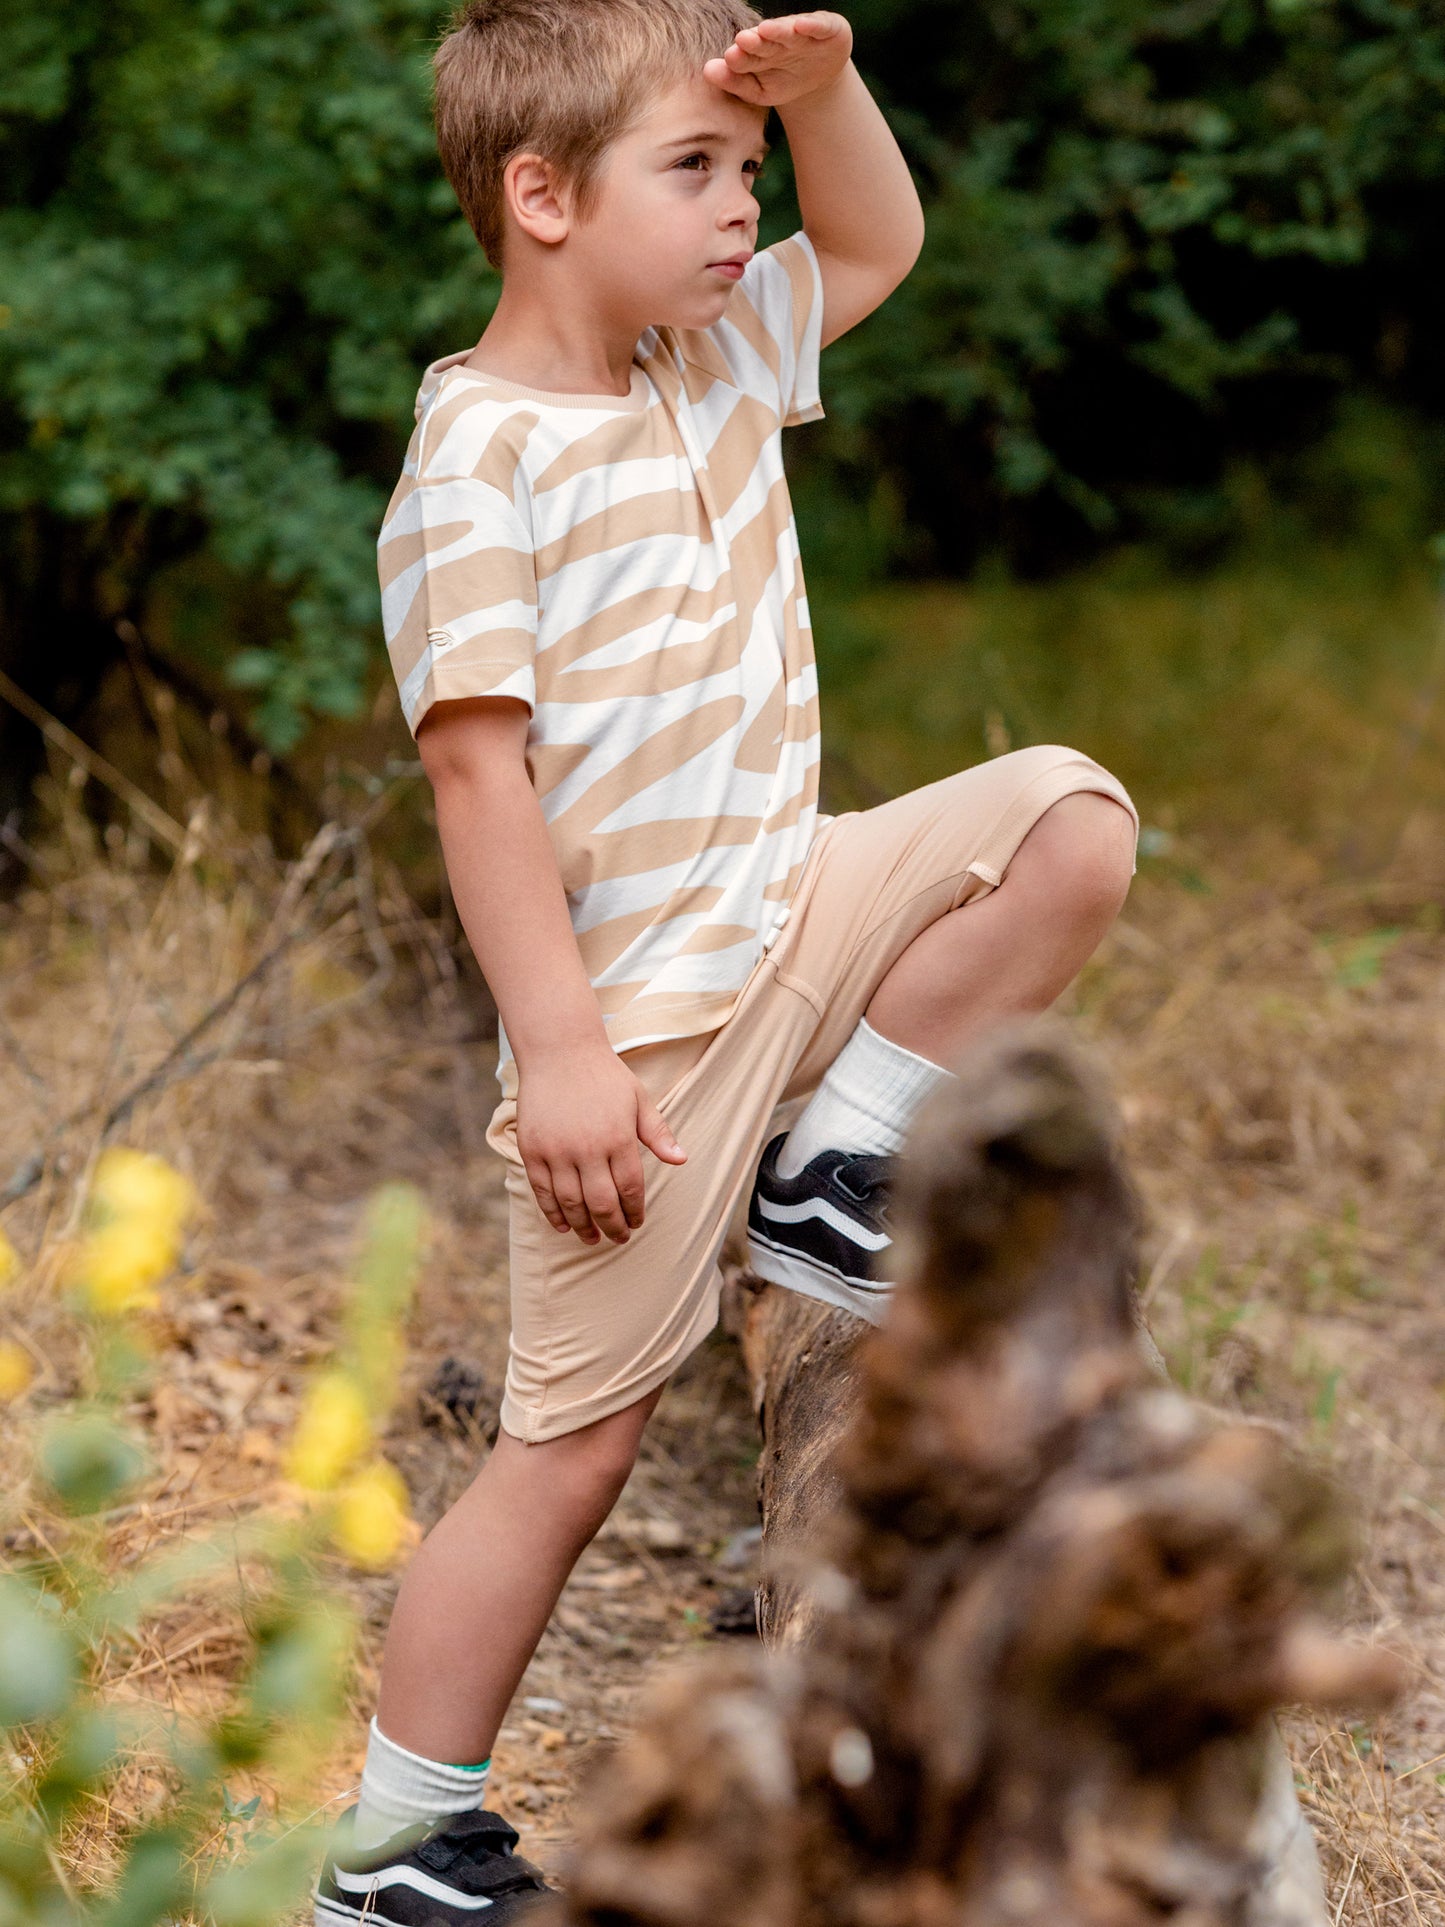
(536,199)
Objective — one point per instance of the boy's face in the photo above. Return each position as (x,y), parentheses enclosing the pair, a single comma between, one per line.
(674,219)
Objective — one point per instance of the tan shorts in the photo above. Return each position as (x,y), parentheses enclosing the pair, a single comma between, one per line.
(596,1328)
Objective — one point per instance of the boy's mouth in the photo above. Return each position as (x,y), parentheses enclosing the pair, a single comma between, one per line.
(733,266)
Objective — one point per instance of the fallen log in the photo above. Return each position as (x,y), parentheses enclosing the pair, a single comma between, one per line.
(1028,1610)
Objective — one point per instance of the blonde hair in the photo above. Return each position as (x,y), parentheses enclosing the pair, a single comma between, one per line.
(563,79)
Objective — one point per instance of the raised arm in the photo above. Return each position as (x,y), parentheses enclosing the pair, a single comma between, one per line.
(860,208)
(580,1111)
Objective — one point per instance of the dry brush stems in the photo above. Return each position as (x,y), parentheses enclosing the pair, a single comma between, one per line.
(1047,1619)
(335,855)
(337,859)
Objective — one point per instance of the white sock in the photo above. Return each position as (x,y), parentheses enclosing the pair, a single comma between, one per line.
(865,1103)
(399,1788)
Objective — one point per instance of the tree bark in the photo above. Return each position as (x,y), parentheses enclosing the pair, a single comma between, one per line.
(1028,1610)
(801,1360)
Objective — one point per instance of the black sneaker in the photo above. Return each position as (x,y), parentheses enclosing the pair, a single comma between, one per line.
(460,1870)
(824,1232)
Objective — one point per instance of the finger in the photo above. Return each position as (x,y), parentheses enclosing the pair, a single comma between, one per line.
(786,26)
(818,26)
(568,1186)
(740,86)
(751,87)
(540,1179)
(603,1203)
(654,1131)
(631,1191)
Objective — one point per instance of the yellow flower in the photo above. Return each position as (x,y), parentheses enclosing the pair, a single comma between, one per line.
(9,1262)
(371,1522)
(334,1429)
(119,1265)
(134,1185)
(136,1216)
(16,1370)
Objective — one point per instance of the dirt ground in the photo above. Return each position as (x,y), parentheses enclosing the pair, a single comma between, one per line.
(1276,1035)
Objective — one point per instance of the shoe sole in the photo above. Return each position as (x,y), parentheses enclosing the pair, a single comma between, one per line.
(325,1913)
(328,1914)
(865,1298)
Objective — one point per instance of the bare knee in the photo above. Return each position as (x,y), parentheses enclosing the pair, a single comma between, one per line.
(1082,851)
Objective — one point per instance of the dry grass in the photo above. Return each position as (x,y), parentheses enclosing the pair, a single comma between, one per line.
(1279,1046)
(1277,1037)
(298,1033)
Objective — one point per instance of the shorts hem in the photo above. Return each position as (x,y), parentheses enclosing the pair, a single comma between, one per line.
(1072,774)
(536,1424)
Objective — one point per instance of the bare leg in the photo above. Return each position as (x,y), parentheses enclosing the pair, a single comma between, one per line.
(1021,946)
(479,1593)
(477,1596)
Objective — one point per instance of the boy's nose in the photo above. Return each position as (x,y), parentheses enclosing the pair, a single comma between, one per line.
(741,213)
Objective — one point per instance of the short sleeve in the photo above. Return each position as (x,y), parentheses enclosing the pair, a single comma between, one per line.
(458,593)
(771,331)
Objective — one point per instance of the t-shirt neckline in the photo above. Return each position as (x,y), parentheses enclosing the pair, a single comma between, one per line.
(633,402)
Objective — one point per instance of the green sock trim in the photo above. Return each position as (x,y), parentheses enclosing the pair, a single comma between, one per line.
(458,1767)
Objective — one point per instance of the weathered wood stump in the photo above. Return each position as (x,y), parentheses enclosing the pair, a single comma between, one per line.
(802,1360)
(1029,1610)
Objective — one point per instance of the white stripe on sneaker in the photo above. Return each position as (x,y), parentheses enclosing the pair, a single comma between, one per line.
(778,1267)
(829,1213)
(369,1883)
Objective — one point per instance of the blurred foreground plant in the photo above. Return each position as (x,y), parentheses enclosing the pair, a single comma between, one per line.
(85,1599)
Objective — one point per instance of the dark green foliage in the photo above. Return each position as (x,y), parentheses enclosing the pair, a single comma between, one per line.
(1162,234)
(225,250)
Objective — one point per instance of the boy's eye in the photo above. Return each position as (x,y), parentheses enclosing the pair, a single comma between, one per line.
(699,163)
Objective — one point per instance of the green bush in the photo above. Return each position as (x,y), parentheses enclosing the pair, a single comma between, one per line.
(1162,234)
(225,252)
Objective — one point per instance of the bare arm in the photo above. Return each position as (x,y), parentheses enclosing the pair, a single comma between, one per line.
(860,208)
(580,1112)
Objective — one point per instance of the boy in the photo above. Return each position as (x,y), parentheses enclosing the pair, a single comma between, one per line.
(595,610)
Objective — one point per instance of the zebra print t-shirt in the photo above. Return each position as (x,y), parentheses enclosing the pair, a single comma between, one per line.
(628,567)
